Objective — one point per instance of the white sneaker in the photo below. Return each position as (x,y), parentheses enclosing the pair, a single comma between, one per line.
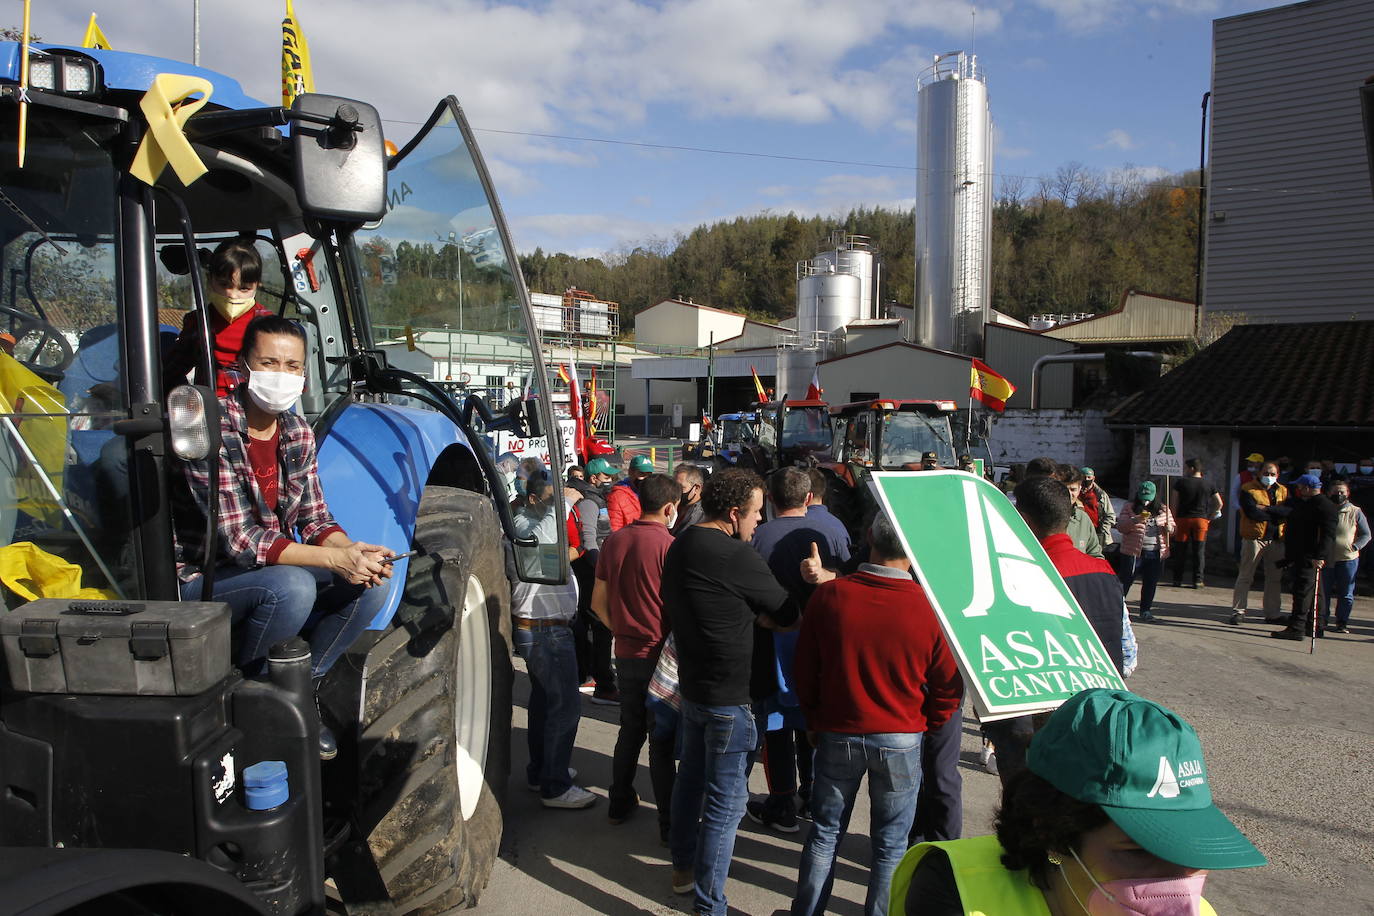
(992,764)
(988,758)
(534,786)
(575,797)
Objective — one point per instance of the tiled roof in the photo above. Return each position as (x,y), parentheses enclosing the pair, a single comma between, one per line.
(1267,375)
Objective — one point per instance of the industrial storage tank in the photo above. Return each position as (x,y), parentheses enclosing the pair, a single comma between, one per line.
(953,204)
(853,255)
(826,301)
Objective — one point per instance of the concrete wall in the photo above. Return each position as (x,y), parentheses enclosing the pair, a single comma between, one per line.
(1077,437)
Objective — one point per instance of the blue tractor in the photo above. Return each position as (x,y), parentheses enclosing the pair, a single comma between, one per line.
(142,773)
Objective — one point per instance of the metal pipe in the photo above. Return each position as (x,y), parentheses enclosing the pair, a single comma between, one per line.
(1044,361)
(1201,219)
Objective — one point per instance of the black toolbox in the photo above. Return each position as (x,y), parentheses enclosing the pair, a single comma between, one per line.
(131,648)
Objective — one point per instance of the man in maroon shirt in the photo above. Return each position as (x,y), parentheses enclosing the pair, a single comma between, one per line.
(873,673)
(626,599)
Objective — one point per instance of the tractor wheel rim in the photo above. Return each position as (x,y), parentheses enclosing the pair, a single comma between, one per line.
(472,702)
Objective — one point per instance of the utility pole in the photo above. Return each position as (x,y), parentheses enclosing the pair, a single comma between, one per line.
(711,377)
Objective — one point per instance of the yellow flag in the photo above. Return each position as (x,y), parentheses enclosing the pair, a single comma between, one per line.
(95,38)
(296,75)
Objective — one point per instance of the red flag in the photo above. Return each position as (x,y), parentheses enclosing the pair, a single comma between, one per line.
(575,408)
(814,392)
(989,387)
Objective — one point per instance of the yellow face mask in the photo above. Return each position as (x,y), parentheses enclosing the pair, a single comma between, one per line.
(231,307)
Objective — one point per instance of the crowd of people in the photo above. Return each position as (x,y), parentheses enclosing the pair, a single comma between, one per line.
(746,628)
(1302,528)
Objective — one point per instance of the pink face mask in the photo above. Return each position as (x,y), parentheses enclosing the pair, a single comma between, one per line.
(1142,896)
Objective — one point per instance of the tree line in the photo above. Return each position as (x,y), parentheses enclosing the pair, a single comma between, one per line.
(1073,241)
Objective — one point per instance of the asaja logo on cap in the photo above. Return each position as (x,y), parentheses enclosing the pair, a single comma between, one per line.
(1167,785)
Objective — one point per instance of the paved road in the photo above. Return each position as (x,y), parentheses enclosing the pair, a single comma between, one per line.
(1288,736)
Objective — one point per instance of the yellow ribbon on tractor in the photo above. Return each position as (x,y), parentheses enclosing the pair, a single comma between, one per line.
(167,106)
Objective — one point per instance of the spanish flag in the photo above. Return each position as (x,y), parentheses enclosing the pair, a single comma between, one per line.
(758,385)
(296,75)
(95,38)
(989,387)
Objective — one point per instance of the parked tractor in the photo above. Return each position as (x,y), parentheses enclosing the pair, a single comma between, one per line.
(882,435)
(789,433)
(140,772)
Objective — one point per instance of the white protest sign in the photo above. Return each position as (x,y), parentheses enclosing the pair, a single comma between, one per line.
(1166,451)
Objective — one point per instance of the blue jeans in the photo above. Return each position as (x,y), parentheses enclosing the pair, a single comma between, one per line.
(271,604)
(718,745)
(1338,581)
(1148,565)
(555,706)
(893,765)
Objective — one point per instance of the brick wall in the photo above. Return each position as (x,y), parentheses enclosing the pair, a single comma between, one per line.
(1077,437)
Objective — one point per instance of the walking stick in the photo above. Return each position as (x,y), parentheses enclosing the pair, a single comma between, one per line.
(1316,597)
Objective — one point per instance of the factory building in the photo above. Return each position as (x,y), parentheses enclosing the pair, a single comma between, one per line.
(1290,218)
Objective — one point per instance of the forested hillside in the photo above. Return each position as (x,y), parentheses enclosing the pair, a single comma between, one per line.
(1065,243)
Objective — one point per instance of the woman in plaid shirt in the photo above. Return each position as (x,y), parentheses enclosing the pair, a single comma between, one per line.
(324,584)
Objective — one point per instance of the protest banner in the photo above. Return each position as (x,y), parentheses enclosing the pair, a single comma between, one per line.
(1021,640)
(1166,451)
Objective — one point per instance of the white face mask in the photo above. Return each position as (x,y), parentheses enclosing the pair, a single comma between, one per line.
(274,392)
(1269,480)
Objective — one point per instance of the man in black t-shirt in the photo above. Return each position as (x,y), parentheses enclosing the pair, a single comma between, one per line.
(1194,504)
(718,591)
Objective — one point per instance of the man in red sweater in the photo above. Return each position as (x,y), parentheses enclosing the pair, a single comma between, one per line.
(873,673)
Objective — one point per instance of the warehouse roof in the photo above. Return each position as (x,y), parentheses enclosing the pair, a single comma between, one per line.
(1267,376)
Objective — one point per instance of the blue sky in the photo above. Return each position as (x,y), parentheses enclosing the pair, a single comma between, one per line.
(1112,84)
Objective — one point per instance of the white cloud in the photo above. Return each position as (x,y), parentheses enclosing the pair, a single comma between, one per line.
(1091,15)
(1117,139)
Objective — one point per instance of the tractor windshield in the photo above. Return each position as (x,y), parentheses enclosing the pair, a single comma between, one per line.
(737,432)
(806,428)
(64,495)
(446,303)
(907,434)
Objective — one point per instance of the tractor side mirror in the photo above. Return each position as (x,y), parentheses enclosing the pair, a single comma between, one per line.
(340,156)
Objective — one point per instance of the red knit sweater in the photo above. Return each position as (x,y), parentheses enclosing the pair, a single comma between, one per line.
(868,646)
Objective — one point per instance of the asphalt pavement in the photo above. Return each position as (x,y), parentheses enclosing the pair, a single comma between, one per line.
(1288,739)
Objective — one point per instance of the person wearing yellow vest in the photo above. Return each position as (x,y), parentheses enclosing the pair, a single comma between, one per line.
(1263,508)
(1112,815)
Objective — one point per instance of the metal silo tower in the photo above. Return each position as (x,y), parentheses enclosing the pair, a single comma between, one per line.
(953,204)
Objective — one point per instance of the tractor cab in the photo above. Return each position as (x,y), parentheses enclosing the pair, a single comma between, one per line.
(791,432)
(893,435)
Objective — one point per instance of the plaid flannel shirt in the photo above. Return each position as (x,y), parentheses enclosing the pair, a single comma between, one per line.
(247,529)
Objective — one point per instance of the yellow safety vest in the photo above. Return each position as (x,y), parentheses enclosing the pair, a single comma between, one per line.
(986,886)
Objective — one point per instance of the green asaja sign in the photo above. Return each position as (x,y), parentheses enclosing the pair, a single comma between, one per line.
(1021,639)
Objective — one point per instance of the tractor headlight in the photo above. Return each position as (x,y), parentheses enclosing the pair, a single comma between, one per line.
(65,72)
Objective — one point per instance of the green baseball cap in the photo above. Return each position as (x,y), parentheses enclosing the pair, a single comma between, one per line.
(599,466)
(1088,472)
(1146,490)
(642,464)
(1142,764)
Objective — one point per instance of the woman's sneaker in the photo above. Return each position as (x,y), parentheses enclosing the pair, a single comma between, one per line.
(575,797)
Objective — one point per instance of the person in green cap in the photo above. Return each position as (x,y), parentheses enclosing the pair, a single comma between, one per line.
(623,498)
(1113,815)
(1145,525)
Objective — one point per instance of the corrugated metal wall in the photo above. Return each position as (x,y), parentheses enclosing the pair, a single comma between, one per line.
(1012,353)
(1288,164)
